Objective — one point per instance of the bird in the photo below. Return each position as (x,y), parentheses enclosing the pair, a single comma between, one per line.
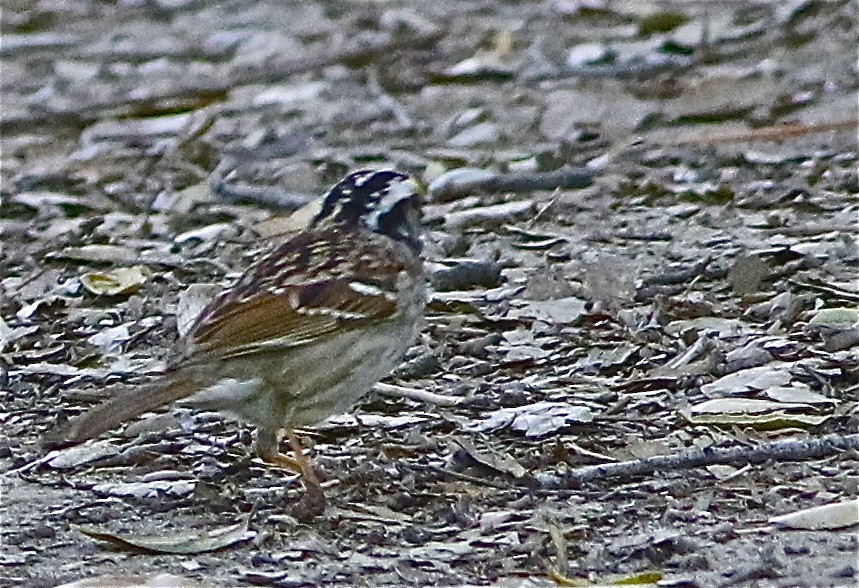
(306,330)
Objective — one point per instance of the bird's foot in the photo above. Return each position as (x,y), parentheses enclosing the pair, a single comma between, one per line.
(312,504)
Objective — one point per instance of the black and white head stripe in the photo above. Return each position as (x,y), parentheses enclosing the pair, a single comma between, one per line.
(382,201)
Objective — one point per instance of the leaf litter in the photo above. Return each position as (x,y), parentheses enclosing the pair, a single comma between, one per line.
(697,258)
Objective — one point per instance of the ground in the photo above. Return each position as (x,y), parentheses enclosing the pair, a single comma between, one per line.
(641,223)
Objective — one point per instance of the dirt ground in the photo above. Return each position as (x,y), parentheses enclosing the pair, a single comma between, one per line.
(641,240)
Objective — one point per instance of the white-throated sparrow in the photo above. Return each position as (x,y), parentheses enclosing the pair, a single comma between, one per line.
(307,329)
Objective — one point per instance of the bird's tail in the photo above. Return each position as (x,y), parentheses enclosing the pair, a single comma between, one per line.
(125,405)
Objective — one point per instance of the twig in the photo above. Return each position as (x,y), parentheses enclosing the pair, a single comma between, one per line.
(416,394)
(703,345)
(467,478)
(197,125)
(565,178)
(772,133)
(34,463)
(542,211)
(789,450)
(836,292)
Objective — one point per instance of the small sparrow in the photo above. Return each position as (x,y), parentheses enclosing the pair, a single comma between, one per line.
(305,331)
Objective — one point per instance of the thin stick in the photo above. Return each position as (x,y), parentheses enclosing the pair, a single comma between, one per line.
(564,178)
(771,133)
(788,450)
(416,394)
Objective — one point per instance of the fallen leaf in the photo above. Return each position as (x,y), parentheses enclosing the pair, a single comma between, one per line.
(535,420)
(132,581)
(559,311)
(757,378)
(750,412)
(119,282)
(829,516)
(843,318)
(142,490)
(184,543)
(493,460)
(192,301)
(81,454)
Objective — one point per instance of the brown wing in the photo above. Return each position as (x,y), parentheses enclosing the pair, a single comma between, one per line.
(274,321)
(305,290)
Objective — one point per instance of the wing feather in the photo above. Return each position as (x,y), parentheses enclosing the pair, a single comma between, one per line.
(279,305)
(268,321)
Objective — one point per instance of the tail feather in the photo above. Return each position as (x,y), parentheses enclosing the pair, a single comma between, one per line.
(127,404)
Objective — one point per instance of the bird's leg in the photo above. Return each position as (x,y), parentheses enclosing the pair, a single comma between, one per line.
(314,497)
(267,447)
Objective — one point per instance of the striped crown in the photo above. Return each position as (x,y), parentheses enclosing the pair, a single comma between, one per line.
(384,202)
